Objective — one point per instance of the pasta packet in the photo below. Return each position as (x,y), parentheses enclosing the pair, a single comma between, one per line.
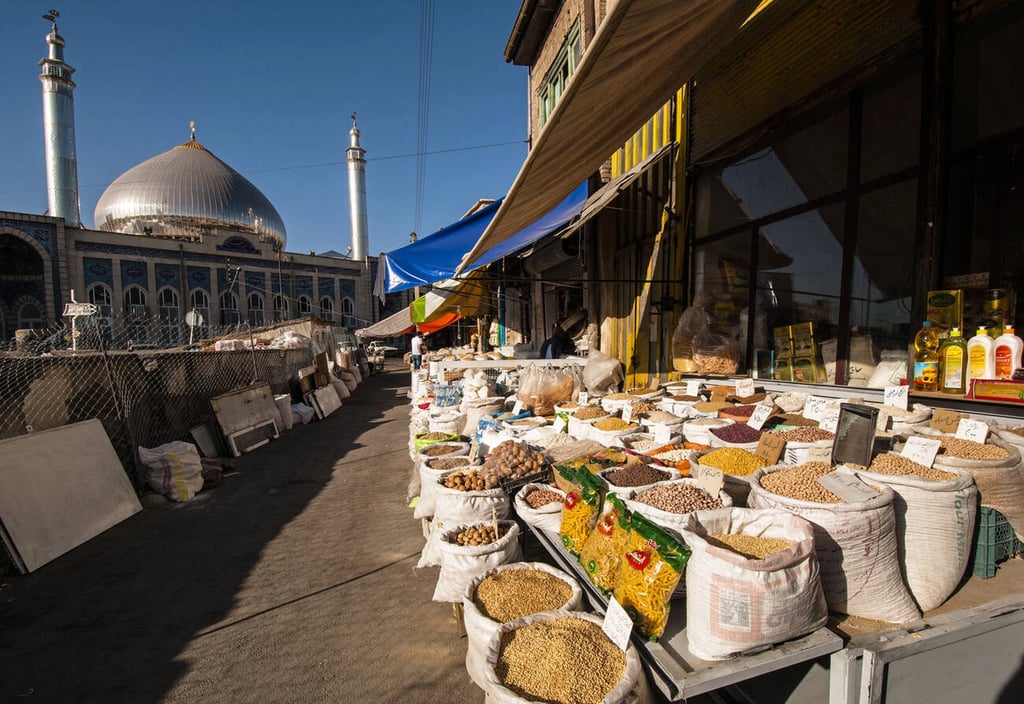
(583,501)
(652,566)
(605,546)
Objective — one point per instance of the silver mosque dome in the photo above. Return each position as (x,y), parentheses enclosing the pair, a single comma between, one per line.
(187,192)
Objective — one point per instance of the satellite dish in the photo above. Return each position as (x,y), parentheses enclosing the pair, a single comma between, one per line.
(193,319)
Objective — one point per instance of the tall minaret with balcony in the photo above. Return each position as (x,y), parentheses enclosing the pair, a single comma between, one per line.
(59,129)
(355,155)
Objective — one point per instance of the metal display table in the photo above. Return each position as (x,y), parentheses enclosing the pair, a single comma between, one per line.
(677,672)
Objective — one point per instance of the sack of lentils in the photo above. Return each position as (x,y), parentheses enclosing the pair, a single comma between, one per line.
(752,580)
(997,470)
(471,549)
(935,511)
(562,657)
(540,505)
(508,592)
(855,542)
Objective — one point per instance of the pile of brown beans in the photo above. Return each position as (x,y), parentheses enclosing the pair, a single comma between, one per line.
(894,463)
(514,593)
(736,433)
(465,481)
(970,450)
(512,460)
(479,535)
(678,498)
(807,433)
(589,412)
(751,547)
(438,449)
(565,660)
(636,475)
(435,436)
(740,411)
(733,461)
(542,497)
(448,462)
(801,482)
(614,424)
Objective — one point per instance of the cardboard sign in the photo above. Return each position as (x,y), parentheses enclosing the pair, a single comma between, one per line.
(921,450)
(814,407)
(945,421)
(829,420)
(662,434)
(692,388)
(847,486)
(744,387)
(709,479)
(770,447)
(973,430)
(518,408)
(559,424)
(617,624)
(882,425)
(654,383)
(759,416)
(896,396)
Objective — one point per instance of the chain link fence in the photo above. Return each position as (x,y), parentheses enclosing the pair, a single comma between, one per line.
(143,396)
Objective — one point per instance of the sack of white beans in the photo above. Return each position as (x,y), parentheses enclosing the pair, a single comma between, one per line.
(508,592)
(460,563)
(737,601)
(855,544)
(934,526)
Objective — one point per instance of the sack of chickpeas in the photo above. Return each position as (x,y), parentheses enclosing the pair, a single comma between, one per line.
(752,580)
(855,542)
(540,505)
(668,503)
(508,592)
(935,511)
(471,549)
(997,470)
(460,497)
(559,656)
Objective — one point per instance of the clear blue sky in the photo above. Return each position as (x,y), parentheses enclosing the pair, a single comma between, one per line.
(271,85)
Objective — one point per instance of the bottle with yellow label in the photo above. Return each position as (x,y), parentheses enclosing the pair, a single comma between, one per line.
(981,360)
(953,364)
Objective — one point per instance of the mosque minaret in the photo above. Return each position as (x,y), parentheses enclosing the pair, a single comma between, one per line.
(356,158)
(59,129)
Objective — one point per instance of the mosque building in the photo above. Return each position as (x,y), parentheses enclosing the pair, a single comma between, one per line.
(180,233)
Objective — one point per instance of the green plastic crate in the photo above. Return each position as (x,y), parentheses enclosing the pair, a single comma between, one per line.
(995,542)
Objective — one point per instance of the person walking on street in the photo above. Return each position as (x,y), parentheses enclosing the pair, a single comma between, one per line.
(417,350)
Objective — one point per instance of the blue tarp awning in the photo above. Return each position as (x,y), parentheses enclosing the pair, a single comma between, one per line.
(435,257)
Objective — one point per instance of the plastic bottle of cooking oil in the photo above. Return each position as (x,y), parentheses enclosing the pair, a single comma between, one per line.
(1007,351)
(981,360)
(926,358)
(953,364)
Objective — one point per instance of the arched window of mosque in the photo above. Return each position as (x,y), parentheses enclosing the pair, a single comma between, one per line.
(327,308)
(229,313)
(170,316)
(135,302)
(255,305)
(199,302)
(305,306)
(30,316)
(348,309)
(280,308)
(102,298)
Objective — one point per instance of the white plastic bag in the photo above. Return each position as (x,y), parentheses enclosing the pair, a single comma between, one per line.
(934,531)
(480,627)
(303,412)
(602,373)
(461,563)
(856,548)
(735,604)
(173,469)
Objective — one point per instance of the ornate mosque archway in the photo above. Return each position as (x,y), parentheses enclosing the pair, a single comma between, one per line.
(26,274)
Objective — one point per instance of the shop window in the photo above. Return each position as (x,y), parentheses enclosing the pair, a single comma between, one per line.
(255,309)
(563,66)
(229,313)
(892,123)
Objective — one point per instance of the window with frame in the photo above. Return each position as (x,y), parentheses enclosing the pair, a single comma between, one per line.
(327,308)
(564,65)
(229,313)
(170,316)
(305,306)
(280,308)
(348,310)
(199,303)
(255,309)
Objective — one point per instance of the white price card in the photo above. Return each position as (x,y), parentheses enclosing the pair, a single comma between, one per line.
(829,420)
(662,434)
(709,479)
(744,387)
(559,424)
(627,412)
(760,415)
(973,430)
(692,388)
(921,450)
(814,407)
(617,624)
(847,486)
(583,398)
(896,396)
(518,408)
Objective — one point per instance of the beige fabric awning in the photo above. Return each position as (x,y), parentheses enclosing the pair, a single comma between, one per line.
(643,51)
(391,326)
